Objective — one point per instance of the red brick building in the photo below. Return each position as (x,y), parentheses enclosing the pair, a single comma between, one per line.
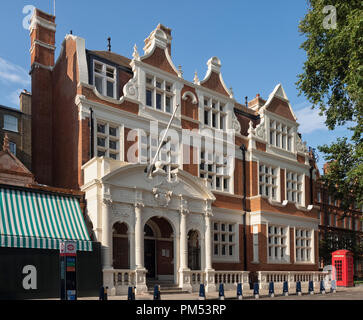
(224,212)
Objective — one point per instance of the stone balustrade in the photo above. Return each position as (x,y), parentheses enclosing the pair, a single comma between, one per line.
(230,279)
(279,277)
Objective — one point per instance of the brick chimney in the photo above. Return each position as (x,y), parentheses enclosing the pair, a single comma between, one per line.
(26,102)
(256,102)
(42,35)
(155,36)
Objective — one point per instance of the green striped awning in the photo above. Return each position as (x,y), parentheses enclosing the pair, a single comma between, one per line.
(40,220)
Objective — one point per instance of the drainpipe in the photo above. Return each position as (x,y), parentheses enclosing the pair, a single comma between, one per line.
(311,185)
(92,130)
(244,207)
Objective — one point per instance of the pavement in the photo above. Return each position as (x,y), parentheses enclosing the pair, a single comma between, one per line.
(354,293)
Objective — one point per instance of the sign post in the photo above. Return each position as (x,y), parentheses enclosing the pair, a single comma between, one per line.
(68,260)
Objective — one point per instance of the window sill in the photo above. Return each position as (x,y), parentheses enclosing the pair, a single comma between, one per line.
(17,131)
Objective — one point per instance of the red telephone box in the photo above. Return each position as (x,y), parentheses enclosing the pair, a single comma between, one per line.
(342,260)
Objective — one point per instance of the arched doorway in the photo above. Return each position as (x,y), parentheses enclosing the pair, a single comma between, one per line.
(193,250)
(159,249)
(120,254)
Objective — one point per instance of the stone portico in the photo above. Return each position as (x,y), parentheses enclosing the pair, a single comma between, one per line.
(118,192)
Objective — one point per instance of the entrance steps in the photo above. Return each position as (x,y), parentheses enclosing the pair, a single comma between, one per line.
(166,287)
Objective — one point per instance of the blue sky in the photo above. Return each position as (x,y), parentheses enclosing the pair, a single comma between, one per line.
(257,41)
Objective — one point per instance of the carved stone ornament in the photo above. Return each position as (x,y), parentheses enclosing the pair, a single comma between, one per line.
(135,54)
(162,197)
(235,124)
(208,212)
(183,205)
(301,146)
(130,89)
(260,131)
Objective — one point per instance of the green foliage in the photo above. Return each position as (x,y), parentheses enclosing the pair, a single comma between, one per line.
(332,80)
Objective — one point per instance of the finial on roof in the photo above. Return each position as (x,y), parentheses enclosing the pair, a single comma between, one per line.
(109,43)
(196,79)
(71,32)
(231,91)
(180,70)
(246,99)
(6,146)
(135,54)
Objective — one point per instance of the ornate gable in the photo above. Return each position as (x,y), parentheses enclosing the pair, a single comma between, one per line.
(213,79)
(157,50)
(279,104)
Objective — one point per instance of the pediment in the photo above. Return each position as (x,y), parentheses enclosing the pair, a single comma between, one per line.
(182,184)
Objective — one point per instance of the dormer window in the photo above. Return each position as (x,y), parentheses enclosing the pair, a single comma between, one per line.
(104,79)
(159,94)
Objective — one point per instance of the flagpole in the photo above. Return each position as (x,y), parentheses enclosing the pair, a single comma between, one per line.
(162,141)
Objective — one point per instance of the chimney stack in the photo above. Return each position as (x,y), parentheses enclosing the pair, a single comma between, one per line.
(26,102)
(257,102)
(42,34)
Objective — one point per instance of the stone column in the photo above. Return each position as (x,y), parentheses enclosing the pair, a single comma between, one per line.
(108,275)
(184,271)
(140,277)
(210,287)
(131,236)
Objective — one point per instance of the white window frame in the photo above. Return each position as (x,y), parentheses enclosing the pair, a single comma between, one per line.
(169,153)
(11,123)
(220,166)
(107,150)
(213,106)
(12,147)
(273,173)
(276,243)
(281,135)
(299,245)
(163,87)
(293,193)
(105,78)
(234,243)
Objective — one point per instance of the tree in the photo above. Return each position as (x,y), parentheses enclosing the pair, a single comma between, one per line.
(332,80)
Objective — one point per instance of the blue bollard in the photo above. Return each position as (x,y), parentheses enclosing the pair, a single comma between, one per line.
(157,293)
(271,290)
(256,291)
(239,291)
(322,287)
(333,287)
(221,291)
(311,287)
(131,294)
(202,292)
(285,289)
(298,288)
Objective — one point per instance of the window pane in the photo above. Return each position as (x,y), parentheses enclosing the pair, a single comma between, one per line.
(101,153)
(149,98)
(98,84)
(113,132)
(158,101)
(113,145)
(110,89)
(10,123)
(168,104)
(98,67)
(101,128)
(101,142)
(113,156)
(110,72)
(12,147)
